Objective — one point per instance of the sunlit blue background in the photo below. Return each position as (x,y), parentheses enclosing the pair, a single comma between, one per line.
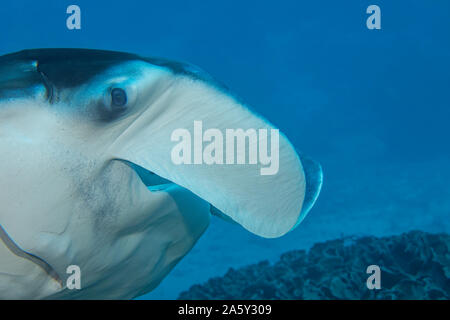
(373,106)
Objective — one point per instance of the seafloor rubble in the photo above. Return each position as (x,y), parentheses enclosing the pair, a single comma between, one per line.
(414,265)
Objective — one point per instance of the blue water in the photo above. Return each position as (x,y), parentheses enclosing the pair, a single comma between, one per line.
(373,106)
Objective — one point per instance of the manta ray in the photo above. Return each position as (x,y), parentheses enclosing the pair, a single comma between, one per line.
(86,177)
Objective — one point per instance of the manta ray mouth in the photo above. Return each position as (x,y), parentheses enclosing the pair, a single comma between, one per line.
(151,180)
(155,183)
(16,250)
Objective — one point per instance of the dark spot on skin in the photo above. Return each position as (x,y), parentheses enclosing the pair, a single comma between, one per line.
(97,191)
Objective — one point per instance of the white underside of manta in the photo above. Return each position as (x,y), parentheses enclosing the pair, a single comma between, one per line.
(88,180)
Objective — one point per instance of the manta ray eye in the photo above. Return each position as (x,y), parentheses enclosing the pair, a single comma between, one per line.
(118,98)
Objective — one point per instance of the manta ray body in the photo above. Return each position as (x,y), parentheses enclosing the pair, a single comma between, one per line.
(86,176)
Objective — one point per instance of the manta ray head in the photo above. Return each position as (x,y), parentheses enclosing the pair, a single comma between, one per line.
(87,178)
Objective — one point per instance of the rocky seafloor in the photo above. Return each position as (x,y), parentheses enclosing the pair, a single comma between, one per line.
(414,265)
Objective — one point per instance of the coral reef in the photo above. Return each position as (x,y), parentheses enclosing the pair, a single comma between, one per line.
(414,265)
